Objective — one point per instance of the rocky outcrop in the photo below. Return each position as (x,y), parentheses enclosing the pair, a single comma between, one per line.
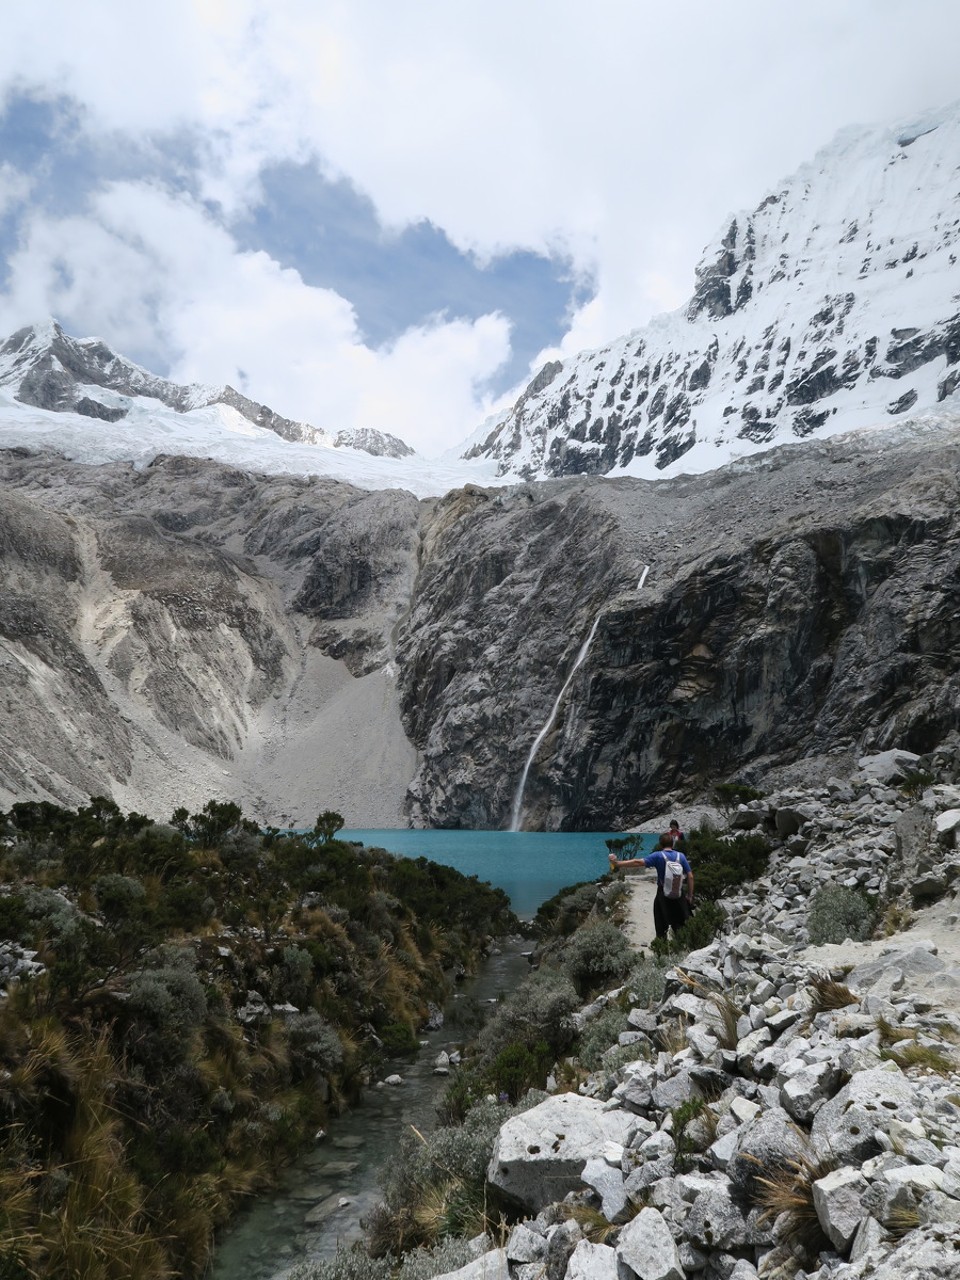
(168,637)
(783,1111)
(798,604)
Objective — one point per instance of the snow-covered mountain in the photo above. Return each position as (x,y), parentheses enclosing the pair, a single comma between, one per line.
(80,398)
(834,304)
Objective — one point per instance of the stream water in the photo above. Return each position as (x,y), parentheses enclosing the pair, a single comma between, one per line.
(323,1197)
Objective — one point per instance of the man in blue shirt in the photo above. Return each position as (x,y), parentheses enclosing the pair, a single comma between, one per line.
(668,913)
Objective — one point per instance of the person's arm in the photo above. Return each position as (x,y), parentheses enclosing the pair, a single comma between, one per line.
(690,887)
(616,863)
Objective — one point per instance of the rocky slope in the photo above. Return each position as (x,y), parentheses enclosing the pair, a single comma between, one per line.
(188,630)
(831,305)
(785,1112)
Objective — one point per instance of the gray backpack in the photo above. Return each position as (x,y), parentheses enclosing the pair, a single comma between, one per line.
(673,874)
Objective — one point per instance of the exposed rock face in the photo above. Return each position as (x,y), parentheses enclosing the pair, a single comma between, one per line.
(300,643)
(150,647)
(797,604)
(381,444)
(804,320)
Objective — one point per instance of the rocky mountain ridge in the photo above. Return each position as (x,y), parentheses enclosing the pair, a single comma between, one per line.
(189,631)
(48,369)
(833,304)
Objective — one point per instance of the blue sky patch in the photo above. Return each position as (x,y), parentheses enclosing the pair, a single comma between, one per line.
(329,232)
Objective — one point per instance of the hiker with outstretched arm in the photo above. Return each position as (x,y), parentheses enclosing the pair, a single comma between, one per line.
(673,901)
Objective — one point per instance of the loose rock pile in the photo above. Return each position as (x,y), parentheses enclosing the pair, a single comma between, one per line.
(787,1115)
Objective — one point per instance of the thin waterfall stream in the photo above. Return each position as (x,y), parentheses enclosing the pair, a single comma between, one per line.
(516,815)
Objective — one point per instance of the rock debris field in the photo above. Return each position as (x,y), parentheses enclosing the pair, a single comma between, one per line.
(792,1111)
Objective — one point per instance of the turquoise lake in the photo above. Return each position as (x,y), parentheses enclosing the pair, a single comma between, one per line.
(530,866)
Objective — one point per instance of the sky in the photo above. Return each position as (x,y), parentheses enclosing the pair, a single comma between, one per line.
(372,214)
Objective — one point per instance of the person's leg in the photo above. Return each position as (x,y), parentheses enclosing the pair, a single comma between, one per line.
(676,913)
(661,923)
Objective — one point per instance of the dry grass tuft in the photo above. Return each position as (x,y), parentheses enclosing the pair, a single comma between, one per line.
(827,994)
(786,1197)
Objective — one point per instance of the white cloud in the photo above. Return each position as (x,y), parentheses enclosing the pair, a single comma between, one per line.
(621,131)
(153,273)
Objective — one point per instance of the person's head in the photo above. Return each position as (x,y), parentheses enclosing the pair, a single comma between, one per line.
(666,842)
(675,826)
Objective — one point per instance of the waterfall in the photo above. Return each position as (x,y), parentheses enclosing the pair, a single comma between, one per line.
(517,812)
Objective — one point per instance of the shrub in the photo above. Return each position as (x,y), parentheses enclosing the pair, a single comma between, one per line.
(399,1040)
(838,913)
(700,929)
(597,956)
(538,1010)
(647,980)
(353,1263)
(728,794)
(721,862)
(315,1047)
(566,911)
(14,919)
(424,1264)
(599,1034)
(516,1069)
(435,1183)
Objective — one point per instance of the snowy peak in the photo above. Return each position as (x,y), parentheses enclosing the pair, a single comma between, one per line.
(834,304)
(46,368)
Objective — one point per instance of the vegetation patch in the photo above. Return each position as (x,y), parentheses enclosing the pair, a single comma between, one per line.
(838,913)
(209,995)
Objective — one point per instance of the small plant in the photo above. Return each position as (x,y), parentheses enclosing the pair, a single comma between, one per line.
(592,1223)
(912,1054)
(729,794)
(901,1220)
(915,783)
(897,917)
(785,1195)
(694,1127)
(671,1034)
(826,993)
(724,1024)
(838,913)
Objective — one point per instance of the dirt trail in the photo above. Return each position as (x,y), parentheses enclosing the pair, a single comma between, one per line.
(638,920)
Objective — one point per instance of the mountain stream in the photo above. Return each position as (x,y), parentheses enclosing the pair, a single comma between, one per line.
(323,1197)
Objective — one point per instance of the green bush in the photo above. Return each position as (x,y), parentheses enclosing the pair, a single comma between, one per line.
(599,1034)
(721,862)
(596,957)
(728,794)
(399,1040)
(516,1069)
(838,913)
(14,918)
(647,980)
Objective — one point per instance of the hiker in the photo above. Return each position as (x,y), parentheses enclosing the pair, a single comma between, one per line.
(673,901)
(675,835)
